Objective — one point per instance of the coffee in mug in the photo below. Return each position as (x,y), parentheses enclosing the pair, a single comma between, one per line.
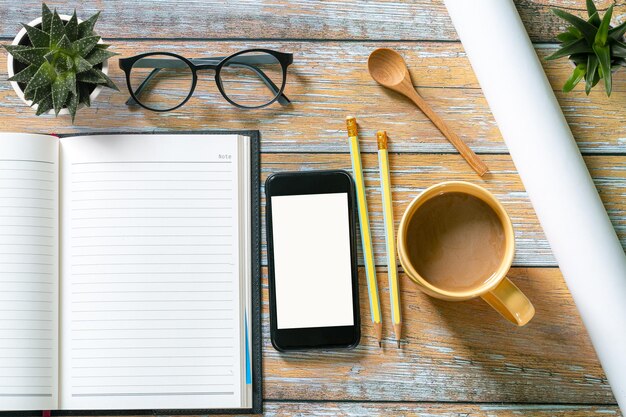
(456,242)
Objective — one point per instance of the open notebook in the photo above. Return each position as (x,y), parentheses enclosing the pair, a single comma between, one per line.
(129,272)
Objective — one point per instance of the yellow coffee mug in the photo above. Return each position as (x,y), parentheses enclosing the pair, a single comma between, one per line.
(497,290)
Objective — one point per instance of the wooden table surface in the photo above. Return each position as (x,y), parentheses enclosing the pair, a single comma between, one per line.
(457,359)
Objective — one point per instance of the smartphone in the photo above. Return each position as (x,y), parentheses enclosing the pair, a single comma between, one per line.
(313,279)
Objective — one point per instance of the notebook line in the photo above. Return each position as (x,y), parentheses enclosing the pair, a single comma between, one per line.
(27,160)
(146,189)
(143,328)
(149,180)
(164,171)
(145,301)
(25,179)
(150,366)
(150,162)
(149,198)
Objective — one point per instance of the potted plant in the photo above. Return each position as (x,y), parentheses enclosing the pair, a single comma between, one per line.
(57,63)
(594,47)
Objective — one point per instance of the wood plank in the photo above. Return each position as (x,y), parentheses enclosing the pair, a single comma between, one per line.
(435,410)
(363,409)
(329,81)
(451,352)
(300,19)
(411,173)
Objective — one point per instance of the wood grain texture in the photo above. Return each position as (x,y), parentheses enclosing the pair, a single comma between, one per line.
(299,19)
(387,67)
(412,173)
(451,351)
(324,84)
(292,409)
(457,359)
(428,409)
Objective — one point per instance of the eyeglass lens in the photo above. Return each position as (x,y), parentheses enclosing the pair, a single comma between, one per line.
(161,82)
(252,79)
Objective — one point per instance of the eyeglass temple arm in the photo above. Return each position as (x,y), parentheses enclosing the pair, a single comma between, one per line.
(143,84)
(244,61)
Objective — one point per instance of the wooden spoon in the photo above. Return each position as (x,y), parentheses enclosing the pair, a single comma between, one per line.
(387,67)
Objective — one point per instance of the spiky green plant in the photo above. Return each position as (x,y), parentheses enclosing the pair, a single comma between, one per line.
(593,45)
(63,62)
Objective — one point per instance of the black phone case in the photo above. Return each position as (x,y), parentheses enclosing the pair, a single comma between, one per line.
(270,255)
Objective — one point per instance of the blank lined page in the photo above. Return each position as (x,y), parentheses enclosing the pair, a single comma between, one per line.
(151,293)
(28,271)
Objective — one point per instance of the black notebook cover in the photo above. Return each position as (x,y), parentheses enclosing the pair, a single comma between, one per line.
(255,320)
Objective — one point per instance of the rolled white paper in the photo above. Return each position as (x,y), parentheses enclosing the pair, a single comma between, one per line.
(552,169)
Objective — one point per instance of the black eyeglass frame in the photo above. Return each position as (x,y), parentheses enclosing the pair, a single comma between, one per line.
(212,63)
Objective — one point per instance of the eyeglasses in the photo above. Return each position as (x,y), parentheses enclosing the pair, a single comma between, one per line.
(250,79)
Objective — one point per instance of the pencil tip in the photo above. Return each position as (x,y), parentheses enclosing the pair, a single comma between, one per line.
(380,344)
(398,340)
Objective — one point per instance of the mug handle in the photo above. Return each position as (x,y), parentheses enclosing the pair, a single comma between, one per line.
(510,302)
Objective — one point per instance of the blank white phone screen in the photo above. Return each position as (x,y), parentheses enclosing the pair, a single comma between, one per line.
(312,265)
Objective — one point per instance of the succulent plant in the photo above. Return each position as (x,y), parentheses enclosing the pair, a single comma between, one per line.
(63,62)
(593,45)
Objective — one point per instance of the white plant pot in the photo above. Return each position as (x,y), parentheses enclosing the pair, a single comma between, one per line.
(20,35)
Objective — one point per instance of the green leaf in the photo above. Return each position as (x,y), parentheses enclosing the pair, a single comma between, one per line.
(592,68)
(29,95)
(591,11)
(578,58)
(65,44)
(46,18)
(566,37)
(92,77)
(85,28)
(575,78)
(40,94)
(81,64)
(44,105)
(63,64)
(84,91)
(25,75)
(50,56)
(618,49)
(69,62)
(83,46)
(603,30)
(98,56)
(587,29)
(72,105)
(44,76)
(577,33)
(596,78)
(57,29)
(617,33)
(576,47)
(37,37)
(594,18)
(28,55)
(107,81)
(71,27)
(603,53)
(95,76)
(70,81)
(60,92)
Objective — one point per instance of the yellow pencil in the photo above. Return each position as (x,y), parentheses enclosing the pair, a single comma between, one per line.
(364,222)
(390,240)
